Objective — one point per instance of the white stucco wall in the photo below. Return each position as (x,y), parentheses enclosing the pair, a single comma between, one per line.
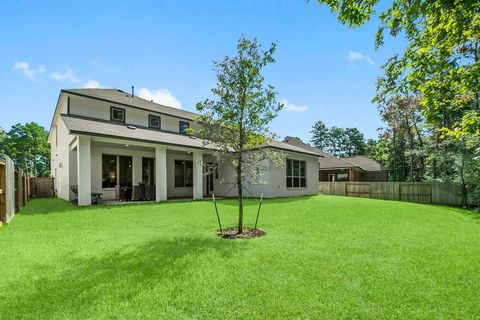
(278,183)
(273,181)
(60,159)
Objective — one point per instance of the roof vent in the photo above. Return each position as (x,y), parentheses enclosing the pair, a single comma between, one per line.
(192,137)
(132,127)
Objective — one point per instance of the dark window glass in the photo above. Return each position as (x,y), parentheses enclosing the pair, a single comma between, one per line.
(148,171)
(183,126)
(117,114)
(188,173)
(302,168)
(296,182)
(303,182)
(154,122)
(125,165)
(109,171)
(296,174)
(296,168)
(289,182)
(183,173)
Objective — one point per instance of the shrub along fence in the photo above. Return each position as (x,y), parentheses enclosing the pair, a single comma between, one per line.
(446,193)
(14,189)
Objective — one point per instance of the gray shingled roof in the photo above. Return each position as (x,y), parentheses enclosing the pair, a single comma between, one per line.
(120,97)
(366,164)
(328,161)
(80,125)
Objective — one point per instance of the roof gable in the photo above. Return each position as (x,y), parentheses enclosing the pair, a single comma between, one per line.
(120,97)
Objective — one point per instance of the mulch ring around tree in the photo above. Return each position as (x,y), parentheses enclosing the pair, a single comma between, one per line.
(247,233)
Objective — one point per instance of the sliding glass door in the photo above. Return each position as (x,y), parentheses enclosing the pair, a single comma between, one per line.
(117,173)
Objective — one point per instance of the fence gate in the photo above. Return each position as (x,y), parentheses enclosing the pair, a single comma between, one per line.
(42,187)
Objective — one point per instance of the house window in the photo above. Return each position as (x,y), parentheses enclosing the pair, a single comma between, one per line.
(154,121)
(296,173)
(183,126)
(109,171)
(117,114)
(148,171)
(183,173)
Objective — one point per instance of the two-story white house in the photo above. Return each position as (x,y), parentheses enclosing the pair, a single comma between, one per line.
(108,142)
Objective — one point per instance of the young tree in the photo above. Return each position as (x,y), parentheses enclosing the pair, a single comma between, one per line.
(27,145)
(235,127)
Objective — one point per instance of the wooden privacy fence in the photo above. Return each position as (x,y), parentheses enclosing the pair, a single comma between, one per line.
(14,186)
(42,187)
(446,193)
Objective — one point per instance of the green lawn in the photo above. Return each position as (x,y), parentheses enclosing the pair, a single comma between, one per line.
(323,257)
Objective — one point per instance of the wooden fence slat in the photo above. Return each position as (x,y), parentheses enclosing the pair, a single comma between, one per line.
(421,192)
(42,187)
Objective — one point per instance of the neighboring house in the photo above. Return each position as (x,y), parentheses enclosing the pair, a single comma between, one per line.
(358,168)
(108,142)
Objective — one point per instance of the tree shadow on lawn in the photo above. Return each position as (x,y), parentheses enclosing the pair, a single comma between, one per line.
(56,205)
(79,287)
(254,202)
(472,215)
(49,205)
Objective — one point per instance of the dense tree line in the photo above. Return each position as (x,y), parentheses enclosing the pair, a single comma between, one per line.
(429,95)
(340,142)
(27,145)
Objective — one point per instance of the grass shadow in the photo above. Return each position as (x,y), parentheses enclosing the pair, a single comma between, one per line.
(47,206)
(83,286)
(254,202)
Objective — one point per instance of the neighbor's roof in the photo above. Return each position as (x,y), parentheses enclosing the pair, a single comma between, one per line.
(120,97)
(327,161)
(366,164)
(81,125)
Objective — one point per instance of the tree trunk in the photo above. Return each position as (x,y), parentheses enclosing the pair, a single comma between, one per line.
(464,186)
(240,195)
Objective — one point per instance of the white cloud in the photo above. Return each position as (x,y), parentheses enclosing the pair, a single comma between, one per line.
(27,71)
(68,76)
(288,106)
(161,96)
(92,84)
(358,56)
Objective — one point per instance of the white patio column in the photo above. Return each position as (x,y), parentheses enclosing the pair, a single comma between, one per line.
(160,173)
(197,175)
(84,171)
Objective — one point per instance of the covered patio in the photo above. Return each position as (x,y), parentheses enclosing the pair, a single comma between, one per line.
(121,171)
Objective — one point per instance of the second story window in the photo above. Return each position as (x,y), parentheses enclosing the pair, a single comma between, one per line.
(183,126)
(117,114)
(154,121)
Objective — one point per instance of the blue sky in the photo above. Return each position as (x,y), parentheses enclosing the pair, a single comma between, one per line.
(325,71)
